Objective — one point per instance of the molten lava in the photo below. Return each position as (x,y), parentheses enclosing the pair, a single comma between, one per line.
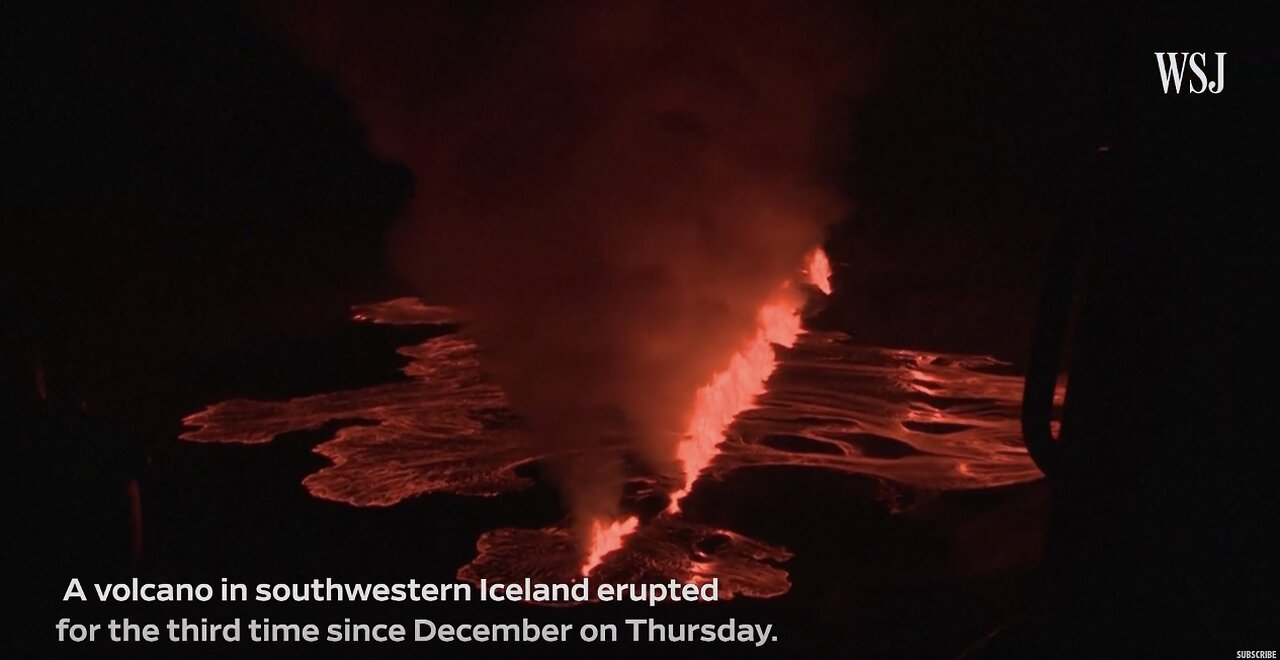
(734,390)
(918,420)
(819,271)
(606,538)
(720,401)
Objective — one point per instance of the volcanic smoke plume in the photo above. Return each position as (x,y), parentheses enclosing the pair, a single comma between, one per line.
(608,192)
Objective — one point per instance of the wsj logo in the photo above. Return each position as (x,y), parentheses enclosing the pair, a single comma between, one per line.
(1173,67)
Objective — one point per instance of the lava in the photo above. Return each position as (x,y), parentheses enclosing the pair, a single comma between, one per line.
(732,391)
(924,420)
(721,400)
(663,549)
(606,538)
(819,271)
(735,389)
(717,404)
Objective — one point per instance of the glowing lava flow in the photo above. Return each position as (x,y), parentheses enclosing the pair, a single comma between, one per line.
(819,271)
(735,389)
(729,393)
(605,539)
(916,421)
(732,391)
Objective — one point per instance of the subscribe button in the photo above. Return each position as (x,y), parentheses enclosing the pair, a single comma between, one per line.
(1256,654)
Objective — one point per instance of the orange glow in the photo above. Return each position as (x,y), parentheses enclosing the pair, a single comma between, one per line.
(933,421)
(819,271)
(605,539)
(717,403)
(734,390)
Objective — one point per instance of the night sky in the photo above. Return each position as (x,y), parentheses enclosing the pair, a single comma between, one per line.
(180,163)
(187,189)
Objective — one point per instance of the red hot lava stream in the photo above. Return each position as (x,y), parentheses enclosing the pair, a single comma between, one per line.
(606,538)
(720,401)
(922,420)
(819,271)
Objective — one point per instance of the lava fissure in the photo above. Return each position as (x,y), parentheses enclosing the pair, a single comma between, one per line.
(442,430)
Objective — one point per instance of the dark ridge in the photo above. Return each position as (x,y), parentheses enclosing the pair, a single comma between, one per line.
(799,444)
(947,402)
(711,544)
(351,356)
(878,446)
(938,428)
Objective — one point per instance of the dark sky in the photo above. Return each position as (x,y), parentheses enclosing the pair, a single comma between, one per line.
(187,192)
(176,164)
(179,166)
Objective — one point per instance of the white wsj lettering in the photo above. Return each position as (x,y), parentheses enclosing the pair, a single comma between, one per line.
(1174,65)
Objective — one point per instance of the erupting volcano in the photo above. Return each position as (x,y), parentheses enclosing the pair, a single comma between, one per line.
(735,389)
(619,205)
(922,420)
(732,391)
(605,538)
(721,400)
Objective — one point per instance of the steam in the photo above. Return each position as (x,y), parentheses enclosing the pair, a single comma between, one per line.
(608,191)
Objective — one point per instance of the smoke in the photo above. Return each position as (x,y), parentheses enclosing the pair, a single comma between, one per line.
(609,191)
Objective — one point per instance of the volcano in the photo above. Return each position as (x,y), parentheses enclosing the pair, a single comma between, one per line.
(791,397)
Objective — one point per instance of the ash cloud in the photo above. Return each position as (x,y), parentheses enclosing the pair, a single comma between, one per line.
(609,191)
